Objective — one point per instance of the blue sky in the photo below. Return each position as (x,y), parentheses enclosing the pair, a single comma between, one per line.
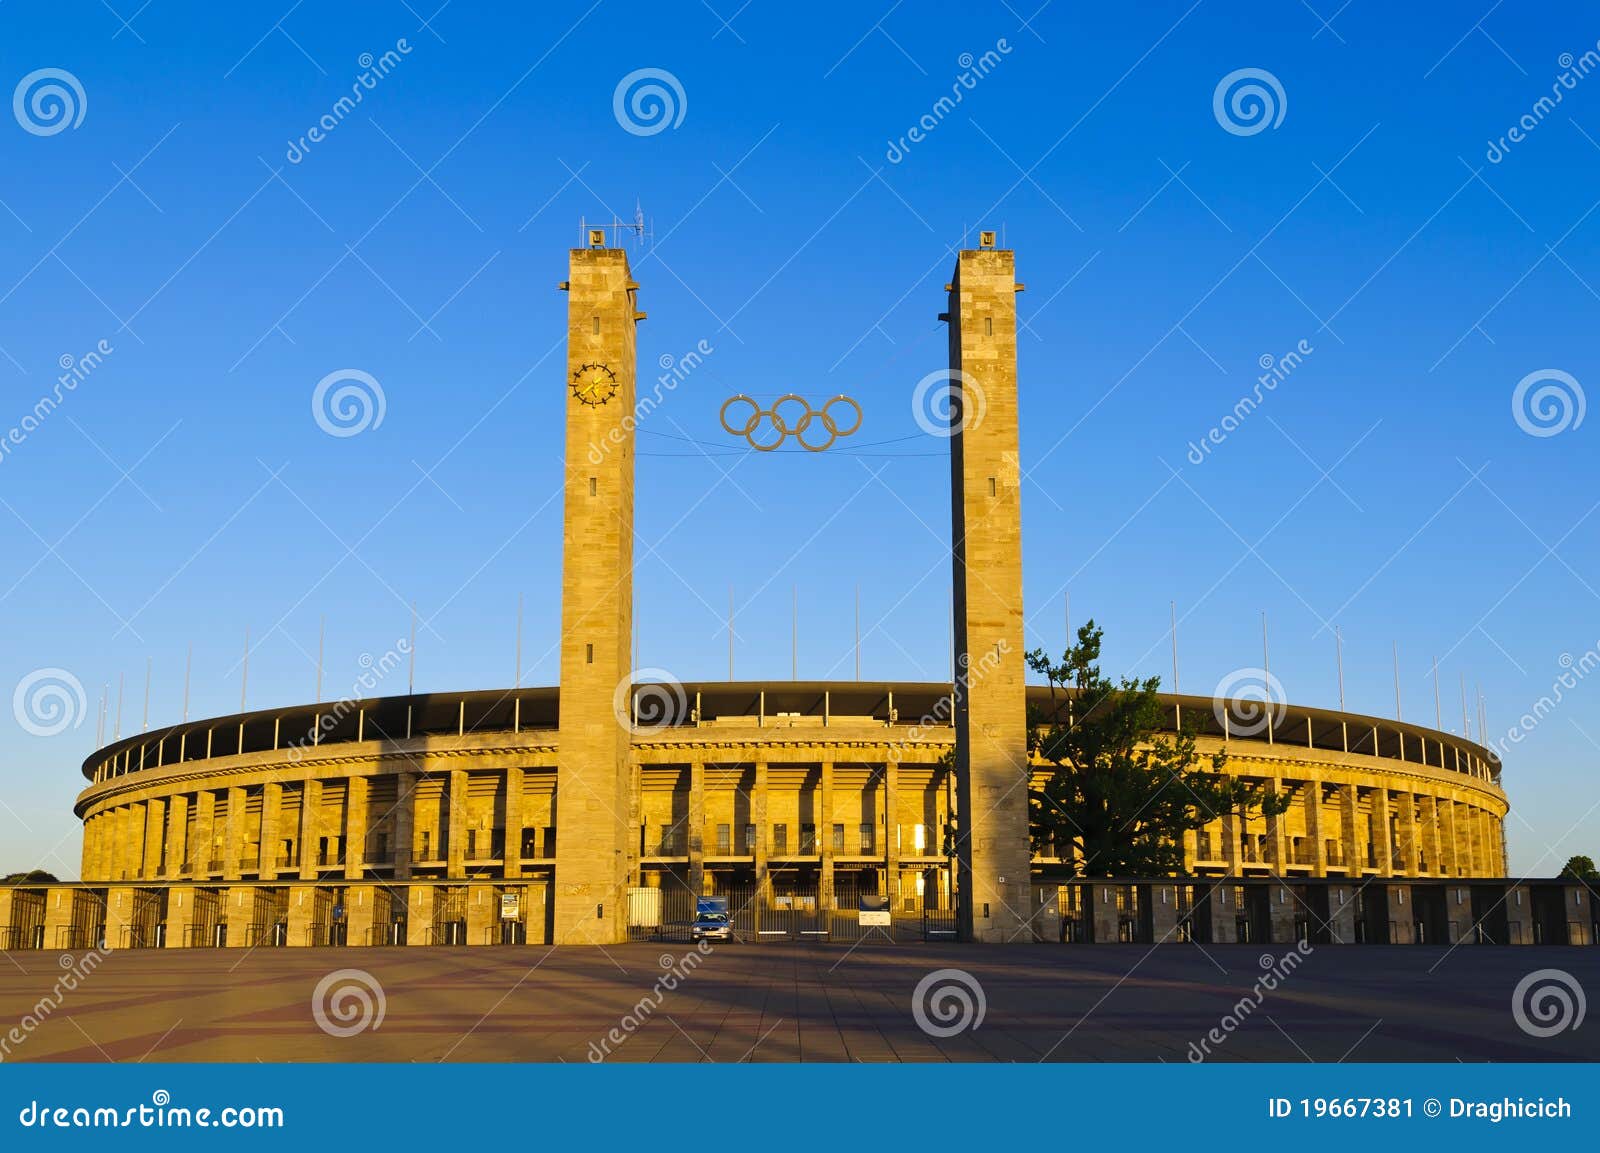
(183,492)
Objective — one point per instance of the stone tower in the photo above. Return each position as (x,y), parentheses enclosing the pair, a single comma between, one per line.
(990,704)
(595,821)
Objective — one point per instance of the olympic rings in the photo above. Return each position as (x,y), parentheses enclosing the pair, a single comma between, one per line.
(787,423)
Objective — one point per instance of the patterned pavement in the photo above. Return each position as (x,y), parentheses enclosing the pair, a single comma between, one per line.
(645,1002)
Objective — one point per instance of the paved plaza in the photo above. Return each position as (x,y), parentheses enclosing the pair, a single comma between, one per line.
(785,1003)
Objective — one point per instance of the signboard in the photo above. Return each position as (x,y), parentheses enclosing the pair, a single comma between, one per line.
(510,906)
(874,910)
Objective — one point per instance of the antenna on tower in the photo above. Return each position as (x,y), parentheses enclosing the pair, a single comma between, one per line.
(640,227)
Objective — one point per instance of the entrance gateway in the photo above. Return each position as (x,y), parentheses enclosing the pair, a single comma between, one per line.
(981,890)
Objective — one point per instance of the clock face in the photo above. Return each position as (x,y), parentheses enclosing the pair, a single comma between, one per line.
(594,384)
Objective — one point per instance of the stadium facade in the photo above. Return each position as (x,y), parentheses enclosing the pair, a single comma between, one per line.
(599,810)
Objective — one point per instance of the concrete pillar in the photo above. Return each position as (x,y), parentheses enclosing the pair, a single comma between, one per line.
(1315,828)
(1355,849)
(204,849)
(302,911)
(1342,912)
(1401,915)
(597,835)
(455,864)
(1282,910)
(271,815)
(310,828)
(991,758)
(1450,848)
(1277,836)
(58,918)
(155,825)
(483,915)
(119,915)
(758,817)
(1163,912)
(825,837)
(419,914)
(1432,843)
(1409,841)
(891,832)
(180,916)
(405,827)
(178,851)
(238,902)
(233,837)
(697,826)
(358,913)
(1230,842)
(1378,799)
(356,804)
(513,784)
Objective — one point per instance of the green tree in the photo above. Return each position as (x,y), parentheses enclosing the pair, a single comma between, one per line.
(1581,869)
(33,877)
(1124,787)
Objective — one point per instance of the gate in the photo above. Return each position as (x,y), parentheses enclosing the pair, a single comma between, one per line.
(147,926)
(269,919)
(204,918)
(449,915)
(26,930)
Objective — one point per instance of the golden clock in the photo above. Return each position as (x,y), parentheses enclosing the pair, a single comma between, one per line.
(594,384)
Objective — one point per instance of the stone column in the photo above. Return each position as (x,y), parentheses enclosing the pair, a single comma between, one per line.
(302,911)
(180,916)
(513,824)
(891,835)
(483,914)
(697,826)
(456,862)
(310,827)
(825,837)
(758,816)
(271,806)
(1314,828)
(204,849)
(154,827)
(1432,843)
(1277,838)
(419,914)
(358,911)
(405,826)
(1450,848)
(1230,842)
(1355,853)
(233,837)
(356,803)
(178,837)
(1379,801)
